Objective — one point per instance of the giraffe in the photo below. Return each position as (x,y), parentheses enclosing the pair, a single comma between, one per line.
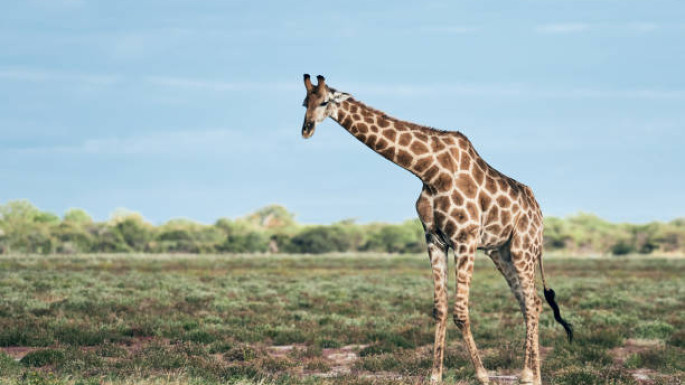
(464,205)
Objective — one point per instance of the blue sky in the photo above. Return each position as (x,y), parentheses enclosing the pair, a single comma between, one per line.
(180,108)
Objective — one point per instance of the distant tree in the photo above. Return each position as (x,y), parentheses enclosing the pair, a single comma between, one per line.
(251,242)
(229,226)
(622,247)
(272,217)
(26,229)
(354,234)
(77,216)
(643,237)
(182,235)
(556,234)
(134,231)
(276,222)
(106,239)
(670,238)
(402,238)
(72,238)
(320,239)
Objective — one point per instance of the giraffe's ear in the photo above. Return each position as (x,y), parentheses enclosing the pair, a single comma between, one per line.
(339,97)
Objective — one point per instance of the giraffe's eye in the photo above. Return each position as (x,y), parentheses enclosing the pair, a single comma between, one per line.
(323,104)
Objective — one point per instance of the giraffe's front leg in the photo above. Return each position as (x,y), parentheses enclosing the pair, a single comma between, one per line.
(437,253)
(464,255)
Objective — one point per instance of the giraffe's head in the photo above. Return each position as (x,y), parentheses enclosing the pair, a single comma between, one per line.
(321,102)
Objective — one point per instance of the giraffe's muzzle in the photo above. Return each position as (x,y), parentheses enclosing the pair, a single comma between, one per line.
(307,129)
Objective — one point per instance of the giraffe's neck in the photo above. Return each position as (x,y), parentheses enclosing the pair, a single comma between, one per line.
(408,145)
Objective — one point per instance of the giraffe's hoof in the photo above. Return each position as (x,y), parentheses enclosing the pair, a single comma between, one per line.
(528,378)
(483,377)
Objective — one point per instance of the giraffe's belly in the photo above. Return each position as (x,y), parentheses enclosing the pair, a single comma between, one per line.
(492,239)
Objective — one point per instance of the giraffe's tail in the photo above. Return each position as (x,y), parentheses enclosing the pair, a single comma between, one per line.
(549,297)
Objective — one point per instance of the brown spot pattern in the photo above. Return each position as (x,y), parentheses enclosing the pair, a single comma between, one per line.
(418,148)
(472,210)
(423,163)
(437,145)
(503,202)
(431,172)
(381,144)
(490,185)
(405,139)
(460,215)
(457,198)
(465,163)
(404,158)
(493,215)
(446,161)
(478,175)
(390,135)
(443,182)
(466,185)
(388,153)
(484,200)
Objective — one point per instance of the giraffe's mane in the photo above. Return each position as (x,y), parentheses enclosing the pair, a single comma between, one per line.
(411,125)
(514,184)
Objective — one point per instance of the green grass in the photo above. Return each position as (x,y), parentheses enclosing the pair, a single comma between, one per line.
(214,319)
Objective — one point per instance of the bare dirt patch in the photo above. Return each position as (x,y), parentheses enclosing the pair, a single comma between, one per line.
(632,346)
(18,352)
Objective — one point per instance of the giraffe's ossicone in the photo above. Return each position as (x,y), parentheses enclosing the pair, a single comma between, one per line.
(464,205)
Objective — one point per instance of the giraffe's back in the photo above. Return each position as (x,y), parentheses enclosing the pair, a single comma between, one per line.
(482,199)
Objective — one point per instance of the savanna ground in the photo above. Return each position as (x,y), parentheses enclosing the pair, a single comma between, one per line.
(331,319)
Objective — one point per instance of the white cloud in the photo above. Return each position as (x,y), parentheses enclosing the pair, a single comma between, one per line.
(563,28)
(39,76)
(219,85)
(449,29)
(43,76)
(569,28)
(613,94)
(643,27)
(59,3)
(441,89)
(406,90)
(514,90)
(177,143)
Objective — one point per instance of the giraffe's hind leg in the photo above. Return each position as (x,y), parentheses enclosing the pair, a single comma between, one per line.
(518,267)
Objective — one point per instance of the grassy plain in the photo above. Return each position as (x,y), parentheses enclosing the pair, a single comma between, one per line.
(331,319)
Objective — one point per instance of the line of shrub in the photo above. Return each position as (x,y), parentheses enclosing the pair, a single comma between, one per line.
(26,229)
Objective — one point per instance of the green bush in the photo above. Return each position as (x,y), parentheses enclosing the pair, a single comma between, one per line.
(406,237)
(622,248)
(8,365)
(320,239)
(43,357)
(252,242)
(26,229)
(654,330)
